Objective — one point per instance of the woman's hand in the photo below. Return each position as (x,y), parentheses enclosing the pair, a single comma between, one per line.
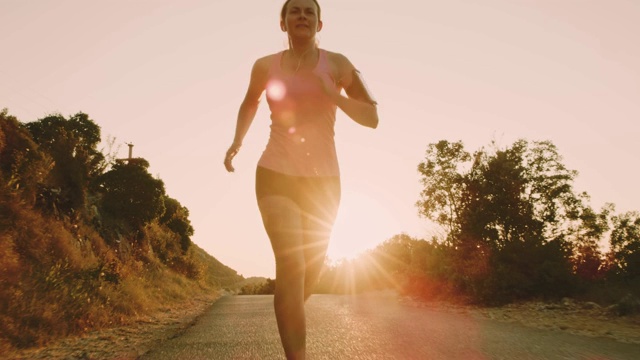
(231,153)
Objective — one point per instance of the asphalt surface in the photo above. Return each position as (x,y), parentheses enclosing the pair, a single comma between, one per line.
(375,327)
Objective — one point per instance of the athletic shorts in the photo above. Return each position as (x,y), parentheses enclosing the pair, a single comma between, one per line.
(317,196)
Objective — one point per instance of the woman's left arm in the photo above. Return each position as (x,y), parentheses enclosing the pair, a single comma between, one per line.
(359,104)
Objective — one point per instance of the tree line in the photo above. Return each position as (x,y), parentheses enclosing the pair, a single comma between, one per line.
(55,164)
(514,228)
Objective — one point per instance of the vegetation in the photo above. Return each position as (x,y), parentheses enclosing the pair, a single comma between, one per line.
(515,229)
(87,241)
(258,286)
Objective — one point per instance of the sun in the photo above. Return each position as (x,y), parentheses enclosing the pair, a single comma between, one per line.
(362,223)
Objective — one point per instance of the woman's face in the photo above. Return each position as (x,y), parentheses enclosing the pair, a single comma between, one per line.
(301,19)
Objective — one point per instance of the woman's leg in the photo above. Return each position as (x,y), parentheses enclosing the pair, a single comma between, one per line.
(282,221)
(316,242)
(320,211)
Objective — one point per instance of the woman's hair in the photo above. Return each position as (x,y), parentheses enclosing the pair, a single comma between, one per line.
(283,12)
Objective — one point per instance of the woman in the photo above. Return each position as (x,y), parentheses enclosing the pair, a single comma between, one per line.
(297,177)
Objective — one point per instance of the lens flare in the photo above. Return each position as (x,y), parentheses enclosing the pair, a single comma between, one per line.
(276,90)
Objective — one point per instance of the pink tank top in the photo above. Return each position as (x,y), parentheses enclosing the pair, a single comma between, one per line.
(301,141)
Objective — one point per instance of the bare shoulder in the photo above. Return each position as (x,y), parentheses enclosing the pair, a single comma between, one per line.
(342,67)
(261,65)
(341,62)
(259,77)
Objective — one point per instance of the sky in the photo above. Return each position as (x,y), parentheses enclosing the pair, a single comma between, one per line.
(169,76)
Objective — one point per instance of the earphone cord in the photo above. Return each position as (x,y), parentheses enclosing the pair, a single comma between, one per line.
(301,56)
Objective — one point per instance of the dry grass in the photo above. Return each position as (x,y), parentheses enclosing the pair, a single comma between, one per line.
(58,279)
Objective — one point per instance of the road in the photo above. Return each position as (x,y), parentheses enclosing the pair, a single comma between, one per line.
(375,327)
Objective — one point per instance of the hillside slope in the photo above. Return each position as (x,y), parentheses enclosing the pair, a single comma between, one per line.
(67,264)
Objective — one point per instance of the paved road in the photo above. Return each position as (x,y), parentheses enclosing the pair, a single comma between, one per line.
(375,327)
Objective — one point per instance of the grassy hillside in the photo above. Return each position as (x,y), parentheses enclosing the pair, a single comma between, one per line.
(67,265)
(58,279)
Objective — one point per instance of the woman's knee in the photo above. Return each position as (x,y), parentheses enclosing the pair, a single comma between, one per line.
(291,262)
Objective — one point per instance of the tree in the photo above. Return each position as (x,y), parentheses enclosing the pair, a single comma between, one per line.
(176,218)
(588,260)
(625,244)
(444,184)
(549,186)
(23,166)
(72,144)
(503,209)
(131,194)
(519,193)
(395,254)
(497,212)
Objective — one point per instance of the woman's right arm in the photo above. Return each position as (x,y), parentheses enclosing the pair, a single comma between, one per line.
(248,108)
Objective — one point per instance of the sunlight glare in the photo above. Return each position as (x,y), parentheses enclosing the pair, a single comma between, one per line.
(276,90)
(362,224)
